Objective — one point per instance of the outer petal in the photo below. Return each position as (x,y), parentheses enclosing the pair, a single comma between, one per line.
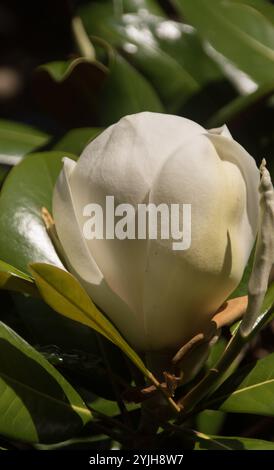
(184,288)
(232,153)
(81,262)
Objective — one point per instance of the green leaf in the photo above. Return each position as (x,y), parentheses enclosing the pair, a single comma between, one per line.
(207,442)
(240,32)
(26,190)
(77,139)
(16,140)
(65,295)
(70,346)
(137,37)
(125,92)
(249,390)
(13,279)
(210,421)
(37,404)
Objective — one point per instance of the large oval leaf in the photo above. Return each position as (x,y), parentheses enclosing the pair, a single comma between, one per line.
(239,31)
(36,403)
(250,390)
(134,35)
(125,92)
(27,189)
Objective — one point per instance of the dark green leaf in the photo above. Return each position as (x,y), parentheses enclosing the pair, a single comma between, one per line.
(125,92)
(240,32)
(138,37)
(37,403)
(26,190)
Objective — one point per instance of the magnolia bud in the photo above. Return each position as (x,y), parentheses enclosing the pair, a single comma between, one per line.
(156,295)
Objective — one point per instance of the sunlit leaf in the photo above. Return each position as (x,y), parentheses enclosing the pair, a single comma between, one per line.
(249,390)
(13,279)
(65,295)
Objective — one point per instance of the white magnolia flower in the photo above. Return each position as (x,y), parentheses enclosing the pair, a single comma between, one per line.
(157,297)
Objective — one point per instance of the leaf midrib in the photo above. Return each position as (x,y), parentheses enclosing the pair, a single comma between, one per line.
(241,390)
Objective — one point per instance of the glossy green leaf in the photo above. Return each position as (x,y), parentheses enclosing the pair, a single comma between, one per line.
(77,139)
(249,390)
(208,442)
(239,31)
(135,36)
(13,279)
(65,295)
(26,190)
(16,140)
(125,92)
(37,404)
